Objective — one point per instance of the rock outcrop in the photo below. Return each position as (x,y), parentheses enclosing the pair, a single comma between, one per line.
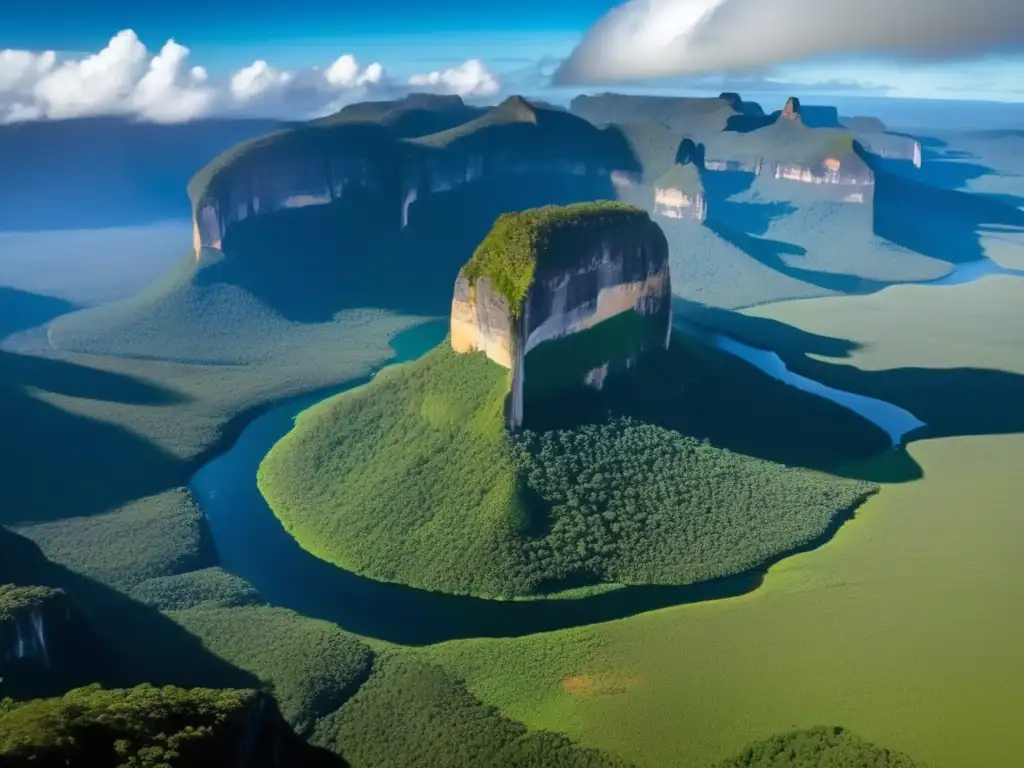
(697,118)
(45,642)
(792,110)
(378,178)
(199,727)
(679,194)
(564,297)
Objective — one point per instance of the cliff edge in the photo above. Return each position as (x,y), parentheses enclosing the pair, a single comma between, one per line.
(595,272)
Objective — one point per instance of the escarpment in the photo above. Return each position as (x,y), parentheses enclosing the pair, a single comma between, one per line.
(377,180)
(564,297)
(45,642)
(199,727)
(679,194)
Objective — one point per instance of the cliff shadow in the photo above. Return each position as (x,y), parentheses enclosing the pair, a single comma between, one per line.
(749,123)
(929,215)
(940,167)
(952,402)
(61,463)
(697,390)
(770,253)
(21,310)
(117,641)
(745,217)
(310,263)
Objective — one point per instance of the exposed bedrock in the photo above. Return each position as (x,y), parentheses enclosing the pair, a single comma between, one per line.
(599,296)
(366,167)
(45,642)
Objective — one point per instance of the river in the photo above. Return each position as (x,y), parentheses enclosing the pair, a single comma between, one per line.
(252,543)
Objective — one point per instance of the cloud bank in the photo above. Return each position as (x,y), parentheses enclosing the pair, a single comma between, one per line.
(126,79)
(469,78)
(659,38)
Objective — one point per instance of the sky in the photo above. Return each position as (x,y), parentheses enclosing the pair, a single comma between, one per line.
(300,58)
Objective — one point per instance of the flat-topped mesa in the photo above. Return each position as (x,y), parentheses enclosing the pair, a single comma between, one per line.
(45,642)
(376,180)
(564,296)
(679,194)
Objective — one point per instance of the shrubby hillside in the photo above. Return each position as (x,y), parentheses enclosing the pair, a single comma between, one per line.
(413,477)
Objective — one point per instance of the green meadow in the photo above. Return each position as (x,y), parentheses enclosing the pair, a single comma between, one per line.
(904,628)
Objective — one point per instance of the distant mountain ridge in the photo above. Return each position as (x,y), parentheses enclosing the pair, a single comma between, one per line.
(378,206)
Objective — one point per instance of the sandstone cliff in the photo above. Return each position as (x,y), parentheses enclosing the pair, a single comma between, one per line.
(790,152)
(564,297)
(679,194)
(371,175)
(45,642)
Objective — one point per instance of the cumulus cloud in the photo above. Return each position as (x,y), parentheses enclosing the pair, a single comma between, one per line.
(471,78)
(657,38)
(257,79)
(126,79)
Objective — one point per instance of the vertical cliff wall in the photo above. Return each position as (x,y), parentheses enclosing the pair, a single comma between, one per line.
(679,193)
(45,643)
(382,179)
(564,297)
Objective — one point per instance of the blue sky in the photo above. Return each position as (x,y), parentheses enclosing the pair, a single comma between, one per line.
(414,37)
(402,34)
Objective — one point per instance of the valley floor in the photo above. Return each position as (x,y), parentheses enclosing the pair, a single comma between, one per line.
(904,628)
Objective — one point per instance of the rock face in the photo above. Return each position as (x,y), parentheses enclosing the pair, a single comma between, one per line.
(792,109)
(679,194)
(44,641)
(564,297)
(364,169)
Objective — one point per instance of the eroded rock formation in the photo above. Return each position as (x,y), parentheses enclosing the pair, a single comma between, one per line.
(679,194)
(382,178)
(45,642)
(564,297)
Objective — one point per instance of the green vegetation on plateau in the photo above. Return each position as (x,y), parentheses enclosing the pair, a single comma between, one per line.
(14,600)
(822,747)
(521,242)
(414,479)
(147,727)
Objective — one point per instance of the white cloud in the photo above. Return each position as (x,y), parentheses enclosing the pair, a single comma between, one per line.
(257,79)
(164,94)
(96,83)
(124,78)
(471,78)
(345,72)
(655,38)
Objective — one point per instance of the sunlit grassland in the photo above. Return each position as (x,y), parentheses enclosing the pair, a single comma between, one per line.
(905,628)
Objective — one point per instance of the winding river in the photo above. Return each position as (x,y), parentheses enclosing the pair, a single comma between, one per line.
(252,543)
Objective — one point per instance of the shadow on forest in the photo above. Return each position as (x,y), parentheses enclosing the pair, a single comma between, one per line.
(929,215)
(20,310)
(113,640)
(951,401)
(924,213)
(67,464)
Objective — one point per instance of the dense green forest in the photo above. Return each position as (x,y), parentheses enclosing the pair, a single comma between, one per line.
(147,727)
(413,478)
(822,747)
(416,714)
